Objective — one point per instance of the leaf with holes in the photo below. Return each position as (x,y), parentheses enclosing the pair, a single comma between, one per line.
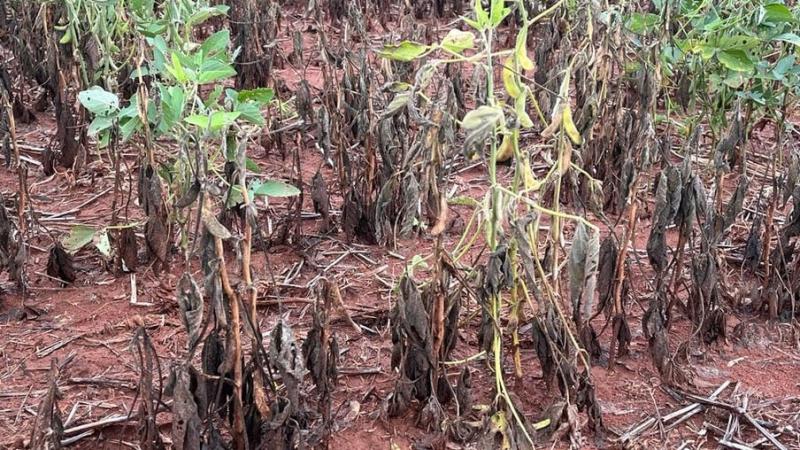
(99,101)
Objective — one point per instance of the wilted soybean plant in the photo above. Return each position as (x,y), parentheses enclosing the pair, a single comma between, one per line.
(510,215)
(205,190)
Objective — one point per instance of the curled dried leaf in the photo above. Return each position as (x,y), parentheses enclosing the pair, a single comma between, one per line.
(214,226)
(190,301)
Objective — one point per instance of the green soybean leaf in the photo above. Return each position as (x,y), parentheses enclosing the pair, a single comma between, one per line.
(741,41)
(78,237)
(173,101)
(213,97)
(129,126)
(142,72)
(235,196)
(216,43)
(99,124)
(222,119)
(713,21)
(200,15)
(99,101)
(153,29)
(251,165)
(775,13)
(103,139)
(642,23)
(177,70)
(215,122)
(791,38)
(274,188)
(251,112)
(499,11)
(481,16)
(783,66)
(214,70)
(735,59)
(198,120)
(404,51)
(142,7)
(263,95)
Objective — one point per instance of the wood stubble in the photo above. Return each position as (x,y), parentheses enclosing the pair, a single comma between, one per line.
(48,429)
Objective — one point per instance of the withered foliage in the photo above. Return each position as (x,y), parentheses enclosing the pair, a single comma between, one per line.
(128,249)
(321,351)
(157,228)
(606,275)
(150,397)
(190,301)
(582,266)
(624,143)
(496,277)
(322,202)
(424,333)
(254,26)
(60,265)
(12,248)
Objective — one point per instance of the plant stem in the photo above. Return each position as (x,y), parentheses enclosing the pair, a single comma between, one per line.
(239,435)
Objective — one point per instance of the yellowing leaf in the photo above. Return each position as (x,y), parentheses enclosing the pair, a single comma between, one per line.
(530,182)
(565,158)
(457,41)
(506,150)
(524,61)
(404,51)
(551,129)
(500,425)
(521,49)
(509,78)
(569,126)
(520,105)
(67,38)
